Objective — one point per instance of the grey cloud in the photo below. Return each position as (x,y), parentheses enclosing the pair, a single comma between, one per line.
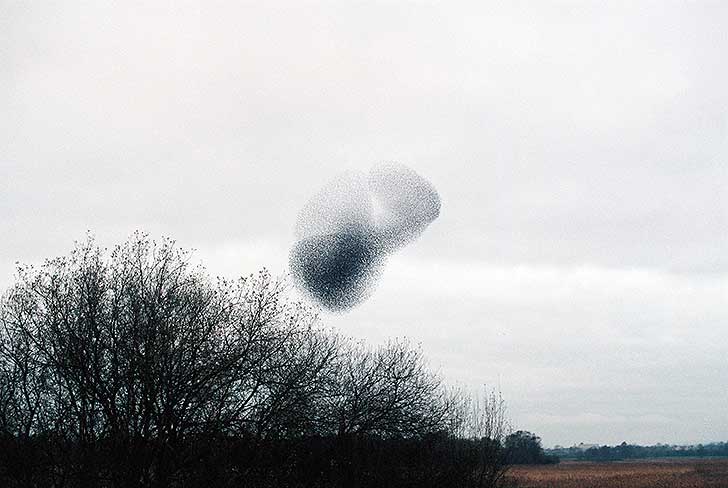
(560,135)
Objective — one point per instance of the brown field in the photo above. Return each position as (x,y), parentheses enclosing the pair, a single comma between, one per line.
(648,473)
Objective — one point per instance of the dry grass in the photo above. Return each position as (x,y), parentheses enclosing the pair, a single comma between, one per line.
(649,473)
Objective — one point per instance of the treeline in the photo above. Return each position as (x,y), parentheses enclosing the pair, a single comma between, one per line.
(630,451)
(524,447)
(136,369)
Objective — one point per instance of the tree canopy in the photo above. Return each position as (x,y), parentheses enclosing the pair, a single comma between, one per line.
(135,368)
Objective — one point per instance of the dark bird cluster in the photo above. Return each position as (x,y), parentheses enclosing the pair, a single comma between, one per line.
(346,231)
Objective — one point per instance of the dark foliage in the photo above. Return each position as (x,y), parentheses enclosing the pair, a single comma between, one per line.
(525,448)
(632,451)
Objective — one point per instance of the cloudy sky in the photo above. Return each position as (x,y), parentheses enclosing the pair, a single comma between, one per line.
(580,150)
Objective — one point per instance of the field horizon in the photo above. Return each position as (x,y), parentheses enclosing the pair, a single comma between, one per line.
(634,473)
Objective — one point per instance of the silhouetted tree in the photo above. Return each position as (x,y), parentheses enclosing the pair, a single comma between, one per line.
(135,368)
(525,448)
(482,420)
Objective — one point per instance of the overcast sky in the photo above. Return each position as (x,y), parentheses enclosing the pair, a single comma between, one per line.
(580,260)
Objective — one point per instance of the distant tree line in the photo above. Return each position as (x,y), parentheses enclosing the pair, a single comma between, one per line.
(136,369)
(524,447)
(631,451)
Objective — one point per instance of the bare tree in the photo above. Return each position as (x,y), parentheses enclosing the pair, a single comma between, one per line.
(387,391)
(482,419)
(139,352)
(135,368)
